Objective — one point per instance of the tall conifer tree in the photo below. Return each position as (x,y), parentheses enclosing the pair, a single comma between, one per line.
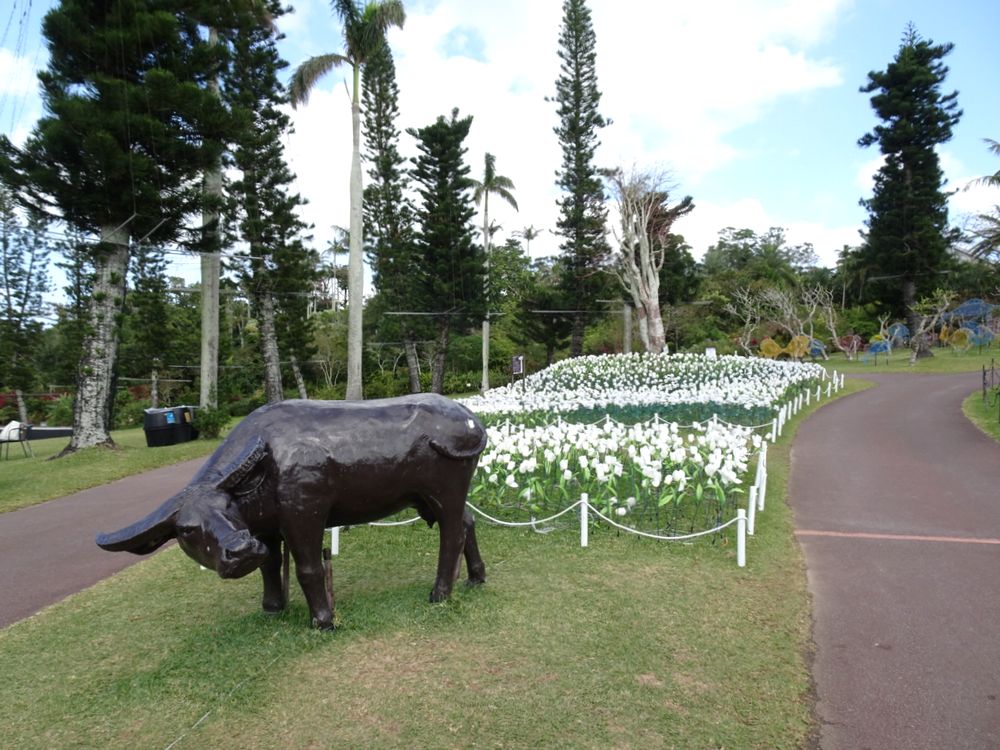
(451,264)
(278,271)
(128,127)
(388,212)
(582,210)
(908,237)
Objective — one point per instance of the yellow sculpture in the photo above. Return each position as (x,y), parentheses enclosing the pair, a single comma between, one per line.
(797,348)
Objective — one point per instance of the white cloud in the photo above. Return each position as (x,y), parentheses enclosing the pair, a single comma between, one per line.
(676,81)
(17,75)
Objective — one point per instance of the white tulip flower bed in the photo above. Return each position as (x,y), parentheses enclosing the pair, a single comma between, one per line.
(733,387)
(659,475)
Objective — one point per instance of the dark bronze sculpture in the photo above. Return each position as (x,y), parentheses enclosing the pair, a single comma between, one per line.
(292,469)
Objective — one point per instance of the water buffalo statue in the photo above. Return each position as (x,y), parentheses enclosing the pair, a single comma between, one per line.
(292,469)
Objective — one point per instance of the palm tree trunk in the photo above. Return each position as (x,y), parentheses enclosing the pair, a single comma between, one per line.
(211,270)
(486,292)
(154,388)
(273,389)
(355,273)
(92,408)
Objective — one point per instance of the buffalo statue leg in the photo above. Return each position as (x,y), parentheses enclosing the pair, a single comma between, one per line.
(452,532)
(274,595)
(306,545)
(473,561)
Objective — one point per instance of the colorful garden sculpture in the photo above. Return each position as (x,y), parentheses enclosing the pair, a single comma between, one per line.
(797,348)
(899,334)
(850,344)
(292,469)
(960,340)
(876,346)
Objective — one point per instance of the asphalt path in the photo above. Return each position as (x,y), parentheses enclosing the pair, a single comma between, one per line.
(47,551)
(896,498)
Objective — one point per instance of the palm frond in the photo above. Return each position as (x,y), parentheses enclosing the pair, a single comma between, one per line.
(308,73)
(365,37)
(504,193)
(990,180)
(348,11)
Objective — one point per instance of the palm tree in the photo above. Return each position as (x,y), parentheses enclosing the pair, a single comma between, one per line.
(990,180)
(529,233)
(365,29)
(985,231)
(501,186)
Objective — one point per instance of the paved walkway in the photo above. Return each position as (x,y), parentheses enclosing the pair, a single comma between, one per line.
(47,551)
(897,508)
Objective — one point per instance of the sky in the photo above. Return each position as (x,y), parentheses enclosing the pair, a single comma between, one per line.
(752,105)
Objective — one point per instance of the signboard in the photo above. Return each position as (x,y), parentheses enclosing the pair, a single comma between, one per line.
(710,352)
(517,365)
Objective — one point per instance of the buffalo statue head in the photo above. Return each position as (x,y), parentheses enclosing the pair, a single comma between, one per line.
(206,520)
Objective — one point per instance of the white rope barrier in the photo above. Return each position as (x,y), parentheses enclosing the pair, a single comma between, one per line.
(522,524)
(586,509)
(406,522)
(649,535)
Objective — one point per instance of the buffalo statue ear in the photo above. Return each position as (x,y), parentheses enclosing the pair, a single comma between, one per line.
(146,535)
(244,464)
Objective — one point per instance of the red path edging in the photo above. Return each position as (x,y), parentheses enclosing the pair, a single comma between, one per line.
(896,537)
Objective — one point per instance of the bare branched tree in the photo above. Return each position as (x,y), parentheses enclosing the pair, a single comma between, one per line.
(745,306)
(646,221)
(849,344)
(928,312)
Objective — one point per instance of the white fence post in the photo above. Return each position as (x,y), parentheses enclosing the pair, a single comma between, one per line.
(584,520)
(762,483)
(774,429)
(836,382)
(808,395)
(335,540)
(752,511)
(741,538)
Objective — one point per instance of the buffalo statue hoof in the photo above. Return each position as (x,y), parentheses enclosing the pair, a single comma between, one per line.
(325,626)
(273,608)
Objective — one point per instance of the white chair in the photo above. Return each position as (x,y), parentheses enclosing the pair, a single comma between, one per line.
(15,432)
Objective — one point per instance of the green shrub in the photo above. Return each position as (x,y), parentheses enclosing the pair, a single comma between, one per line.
(61,412)
(243,406)
(211,422)
(128,412)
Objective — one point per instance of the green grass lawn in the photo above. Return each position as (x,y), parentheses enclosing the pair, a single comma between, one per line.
(628,643)
(943,361)
(27,481)
(985,415)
